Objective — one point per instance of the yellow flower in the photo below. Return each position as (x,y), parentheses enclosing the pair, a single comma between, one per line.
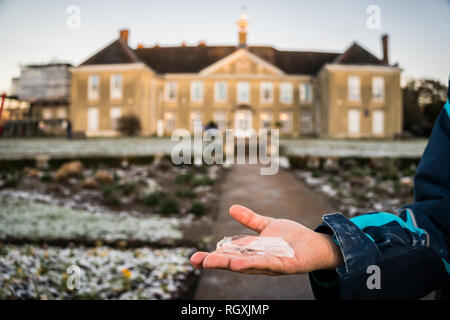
(126,273)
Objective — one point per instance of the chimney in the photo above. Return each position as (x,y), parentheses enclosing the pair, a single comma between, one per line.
(124,35)
(384,40)
(202,43)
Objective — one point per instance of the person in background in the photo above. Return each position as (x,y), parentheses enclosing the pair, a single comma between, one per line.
(69,130)
(410,250)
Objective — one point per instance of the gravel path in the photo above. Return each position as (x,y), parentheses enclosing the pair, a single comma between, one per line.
(280,196)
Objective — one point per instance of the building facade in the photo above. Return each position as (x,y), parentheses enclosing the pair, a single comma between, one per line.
(338,95)
(47,88)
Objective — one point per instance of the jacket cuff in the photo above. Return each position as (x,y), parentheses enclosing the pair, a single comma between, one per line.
(358,250)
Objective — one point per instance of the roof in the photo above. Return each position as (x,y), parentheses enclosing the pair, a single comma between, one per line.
(358,55)
(47,65)
(116,52)
(193,59)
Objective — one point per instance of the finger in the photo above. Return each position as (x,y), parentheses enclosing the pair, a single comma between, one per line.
(248,218)
(217,261)
(197,259)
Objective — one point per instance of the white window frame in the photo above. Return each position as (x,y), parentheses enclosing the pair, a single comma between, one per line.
(194,86)
(378,126)
(378,87)
(354,88)
(305,92)
(217,88)
(92,92)
(306,121)
(286,92)
(266,85)
(170,117)
(47,113)
(167,88)
(61,113)
(289,128)
(242,87)
(114,114)
(90,124)
(193,116)
(354,128)
(220,118)
(265,117)
(115,86)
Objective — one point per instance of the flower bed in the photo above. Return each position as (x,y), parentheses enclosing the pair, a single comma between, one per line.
(357,188)
(25,219)
(32,272)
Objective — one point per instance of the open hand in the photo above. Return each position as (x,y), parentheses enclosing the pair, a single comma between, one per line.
(313,250)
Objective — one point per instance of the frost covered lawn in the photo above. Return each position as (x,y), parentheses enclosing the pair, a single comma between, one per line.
(31,272)
(27,219)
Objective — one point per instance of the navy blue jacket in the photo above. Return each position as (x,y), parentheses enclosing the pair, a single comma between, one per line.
(410,249)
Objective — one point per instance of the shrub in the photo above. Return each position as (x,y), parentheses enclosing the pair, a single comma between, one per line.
(168,205)
(110,195)
(187,193)
(184,177)
(128,188)
(129,125)
(12,182)
(205,181)
(152,198)
(46,177)
(198,208)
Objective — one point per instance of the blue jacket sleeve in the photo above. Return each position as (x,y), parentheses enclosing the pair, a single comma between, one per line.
(410,251)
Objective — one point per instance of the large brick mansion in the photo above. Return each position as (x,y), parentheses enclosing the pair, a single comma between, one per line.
(337,95)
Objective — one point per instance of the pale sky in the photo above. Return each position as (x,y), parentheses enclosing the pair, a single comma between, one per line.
(36,31)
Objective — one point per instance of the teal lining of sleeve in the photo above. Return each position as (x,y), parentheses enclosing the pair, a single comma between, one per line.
(323,284)
(447,108)
(381,218)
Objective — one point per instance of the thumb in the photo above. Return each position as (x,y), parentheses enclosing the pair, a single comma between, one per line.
(248,218)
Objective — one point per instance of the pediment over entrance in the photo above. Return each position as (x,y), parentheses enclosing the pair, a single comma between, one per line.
(242,62)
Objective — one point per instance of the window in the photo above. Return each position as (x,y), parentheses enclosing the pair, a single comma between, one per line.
(47,113)
(243,92)
(196,91)
(92,119)
(353,118)
(266,120)
(220,91)
(378,122)
(378,89)
(266,92)
(169,121)
(306,122)
(243,123)
(354,88)
(170,91)
(305,93)
(115,113)
(195,116)
(286,92)
(286,122)
(61,113)
(116,86)
(220,118)
(93,87)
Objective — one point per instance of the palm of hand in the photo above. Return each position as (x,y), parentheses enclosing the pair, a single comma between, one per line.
(311,249)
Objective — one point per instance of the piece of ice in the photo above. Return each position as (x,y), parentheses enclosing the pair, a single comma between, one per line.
(253,245)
